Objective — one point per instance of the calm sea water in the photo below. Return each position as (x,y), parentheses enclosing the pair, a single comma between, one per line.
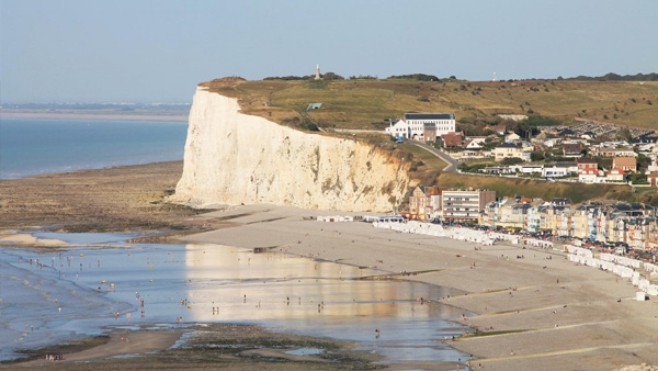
(50,296)
(30,147)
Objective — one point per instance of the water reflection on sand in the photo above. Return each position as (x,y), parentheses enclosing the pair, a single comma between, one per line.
(82,290)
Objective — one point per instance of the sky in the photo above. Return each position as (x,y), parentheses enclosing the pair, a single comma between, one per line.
(67,51)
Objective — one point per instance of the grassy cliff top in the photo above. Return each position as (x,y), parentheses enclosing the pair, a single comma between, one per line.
(368,104)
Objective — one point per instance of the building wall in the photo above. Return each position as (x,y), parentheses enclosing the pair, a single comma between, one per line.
(442,126)
(501,153)
(417,204)
(465,205)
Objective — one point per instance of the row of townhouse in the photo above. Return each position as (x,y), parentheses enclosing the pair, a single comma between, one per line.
(612,151)
(634,224)
(460,206)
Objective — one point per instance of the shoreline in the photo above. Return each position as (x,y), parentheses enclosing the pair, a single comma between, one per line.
(98,354)
(533,308)
(539,311)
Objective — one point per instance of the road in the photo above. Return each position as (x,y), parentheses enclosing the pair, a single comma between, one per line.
(452,163)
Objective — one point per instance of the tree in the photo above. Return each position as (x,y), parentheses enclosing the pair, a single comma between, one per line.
(415,76)
(537,156)
(625,134)
(524,130)
(489,144)
(474,168)
(542,121)
(642,163)
(637,178)
(332,76)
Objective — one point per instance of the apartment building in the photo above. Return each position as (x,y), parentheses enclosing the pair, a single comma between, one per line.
(465,206)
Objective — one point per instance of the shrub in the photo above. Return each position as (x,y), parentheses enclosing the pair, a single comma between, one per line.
(415,76)
(511,161)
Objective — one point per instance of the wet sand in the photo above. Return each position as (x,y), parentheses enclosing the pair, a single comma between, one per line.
(540,312)
(217,346)
(120,342)
(116,199)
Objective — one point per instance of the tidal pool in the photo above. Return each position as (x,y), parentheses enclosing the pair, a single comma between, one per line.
(49,296)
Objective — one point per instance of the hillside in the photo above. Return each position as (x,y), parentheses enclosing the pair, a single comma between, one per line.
(231,159)
(368,104)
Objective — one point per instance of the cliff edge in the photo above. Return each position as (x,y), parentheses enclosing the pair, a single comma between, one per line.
(234,158)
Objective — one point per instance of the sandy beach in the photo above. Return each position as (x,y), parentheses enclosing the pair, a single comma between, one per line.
(539,311)
(529,308)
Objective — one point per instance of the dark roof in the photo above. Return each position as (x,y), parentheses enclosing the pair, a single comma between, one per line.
(564,163)
(637,205)
(585,160)
(508,145)
(453,139)
(622,206)
(589,206)
(429,116)
(572,148)
(523,206)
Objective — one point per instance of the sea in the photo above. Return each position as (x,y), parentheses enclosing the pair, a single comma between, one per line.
(51,296)
(41,146)
(103,281)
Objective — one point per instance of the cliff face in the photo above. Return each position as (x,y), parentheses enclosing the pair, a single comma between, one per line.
(233,158)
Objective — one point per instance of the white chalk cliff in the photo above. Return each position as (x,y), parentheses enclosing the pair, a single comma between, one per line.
(233,158)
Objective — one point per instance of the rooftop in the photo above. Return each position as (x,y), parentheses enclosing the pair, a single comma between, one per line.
(624,161)
(429,116)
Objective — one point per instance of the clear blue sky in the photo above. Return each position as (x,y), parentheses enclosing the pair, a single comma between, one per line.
(158,50)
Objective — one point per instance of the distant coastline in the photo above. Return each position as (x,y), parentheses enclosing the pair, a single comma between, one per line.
(32,145)
(93,115)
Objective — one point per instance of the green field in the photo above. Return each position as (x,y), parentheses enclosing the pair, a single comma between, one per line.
(368,104)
